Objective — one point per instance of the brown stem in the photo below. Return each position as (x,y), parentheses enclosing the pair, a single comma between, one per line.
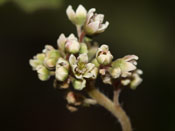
(116,96)
(116,110)
(80,33)
(82,36)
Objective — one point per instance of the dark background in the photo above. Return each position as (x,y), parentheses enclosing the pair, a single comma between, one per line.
(144,28)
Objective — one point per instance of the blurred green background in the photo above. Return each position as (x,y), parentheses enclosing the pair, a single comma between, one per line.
(144,28)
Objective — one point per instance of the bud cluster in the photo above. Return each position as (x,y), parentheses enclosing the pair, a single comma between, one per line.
(77,61)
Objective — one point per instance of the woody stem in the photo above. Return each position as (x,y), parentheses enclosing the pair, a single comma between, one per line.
(115,109)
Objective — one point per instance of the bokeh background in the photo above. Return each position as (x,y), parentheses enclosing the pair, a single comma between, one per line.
(144,28)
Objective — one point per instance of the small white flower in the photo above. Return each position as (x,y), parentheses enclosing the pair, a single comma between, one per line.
(103,55)
(81,68)
(37,60)
(69,44)
(52,56)
(124,66)
(78,17)
(72,45)
(94,23)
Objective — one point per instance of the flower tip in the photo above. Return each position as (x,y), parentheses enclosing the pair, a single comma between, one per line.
(70,12)
(107,24)
(81,9)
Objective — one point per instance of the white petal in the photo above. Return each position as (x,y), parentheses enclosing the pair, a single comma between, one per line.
(81,11)
(99,17)
(103,27)
(104,47)
(72,37)
(131,57)
(92,73)
(137,80)
(90,14)
(92,27)
(115,73)
(89,73)
(83,58)
(70,13)
(90,66)
(61,41)
(72,60)
(140,72)
(128,67)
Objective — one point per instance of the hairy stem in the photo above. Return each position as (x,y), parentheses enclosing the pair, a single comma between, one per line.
(115,109)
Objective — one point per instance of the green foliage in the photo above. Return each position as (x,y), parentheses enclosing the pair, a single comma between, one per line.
(33,5)
(2,1)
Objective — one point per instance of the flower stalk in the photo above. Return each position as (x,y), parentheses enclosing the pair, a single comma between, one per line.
(112,106)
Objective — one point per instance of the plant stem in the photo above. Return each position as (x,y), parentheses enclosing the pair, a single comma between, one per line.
(115,109)
(116,96)
(78,31)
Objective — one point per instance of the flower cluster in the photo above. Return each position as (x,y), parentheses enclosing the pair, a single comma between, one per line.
(78,60)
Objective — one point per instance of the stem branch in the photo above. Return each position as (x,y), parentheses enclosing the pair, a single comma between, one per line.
(116,110)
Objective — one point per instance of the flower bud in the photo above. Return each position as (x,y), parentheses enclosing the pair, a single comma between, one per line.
(37,60)
(72,45)
(83,48)
(52,56)
(103,55)
(79,84)
(61,42)
(43,73)
(78,17)
(61,73)
(136,79)
(62,63)
(74,98)
(94,22)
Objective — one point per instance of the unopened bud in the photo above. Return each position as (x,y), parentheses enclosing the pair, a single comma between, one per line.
(72,46)
(43,73)
(61,73)
(79,84)
(78,17)
(103,55)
